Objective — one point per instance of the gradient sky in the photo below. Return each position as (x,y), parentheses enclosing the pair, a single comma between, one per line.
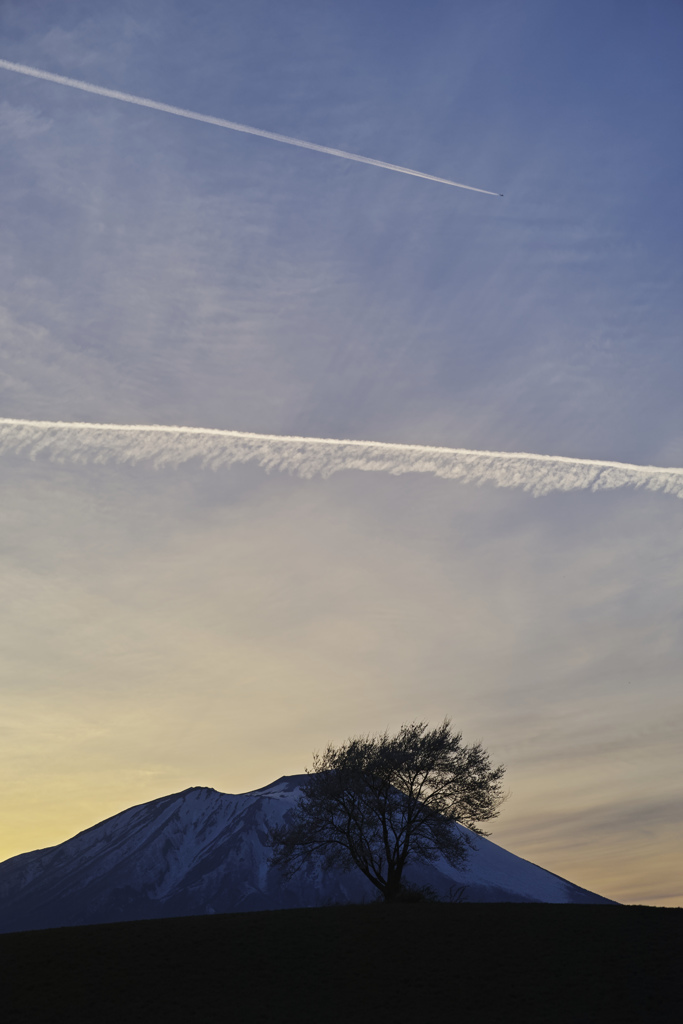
(168,628)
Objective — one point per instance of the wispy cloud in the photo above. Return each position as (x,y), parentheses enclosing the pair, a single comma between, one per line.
(21,122)
(315,456)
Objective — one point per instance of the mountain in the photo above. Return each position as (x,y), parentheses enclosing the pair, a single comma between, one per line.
(204,852)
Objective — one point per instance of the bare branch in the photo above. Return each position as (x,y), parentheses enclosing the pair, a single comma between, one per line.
(378,803)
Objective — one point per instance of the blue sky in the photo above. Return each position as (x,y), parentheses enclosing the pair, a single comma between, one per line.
(178,627)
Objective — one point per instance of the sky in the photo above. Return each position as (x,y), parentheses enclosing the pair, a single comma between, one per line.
(171,627)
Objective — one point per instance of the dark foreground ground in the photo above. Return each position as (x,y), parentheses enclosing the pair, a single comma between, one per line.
(420,963)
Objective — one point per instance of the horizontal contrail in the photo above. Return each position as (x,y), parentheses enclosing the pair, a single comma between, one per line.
(313,456)
(140,101)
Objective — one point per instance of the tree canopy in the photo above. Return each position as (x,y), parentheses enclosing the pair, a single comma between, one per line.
(378,803)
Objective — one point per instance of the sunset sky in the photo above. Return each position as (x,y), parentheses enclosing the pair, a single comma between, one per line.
(170,627)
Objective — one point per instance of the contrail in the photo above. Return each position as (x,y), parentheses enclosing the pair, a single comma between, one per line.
(140,101)
(313,456)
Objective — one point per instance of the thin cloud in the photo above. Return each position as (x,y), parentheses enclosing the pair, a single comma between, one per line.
(140,101)
(316,456)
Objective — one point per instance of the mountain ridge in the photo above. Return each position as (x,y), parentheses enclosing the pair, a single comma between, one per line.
(201,851)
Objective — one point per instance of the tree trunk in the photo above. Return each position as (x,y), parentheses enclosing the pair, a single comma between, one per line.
(393,886)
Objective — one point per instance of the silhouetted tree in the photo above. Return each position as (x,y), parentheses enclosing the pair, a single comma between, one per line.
(378,803)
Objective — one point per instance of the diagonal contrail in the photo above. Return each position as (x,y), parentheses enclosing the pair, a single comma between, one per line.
(311,456)
(140,101)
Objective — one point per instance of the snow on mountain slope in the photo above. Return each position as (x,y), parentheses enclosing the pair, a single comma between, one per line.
(203,852)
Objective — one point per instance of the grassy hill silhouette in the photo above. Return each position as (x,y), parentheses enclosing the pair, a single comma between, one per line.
(420,963)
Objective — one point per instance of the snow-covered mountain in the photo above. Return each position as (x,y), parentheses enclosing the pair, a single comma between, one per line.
(204,852)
